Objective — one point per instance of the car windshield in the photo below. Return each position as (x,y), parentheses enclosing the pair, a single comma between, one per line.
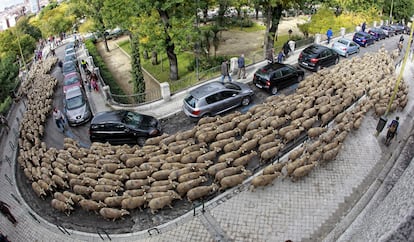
(74,102)
(233,86)
(132,119)
(191,100)
(342,41)
(71,81)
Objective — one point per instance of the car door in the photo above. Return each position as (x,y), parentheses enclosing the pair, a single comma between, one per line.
(276,78)
(289,76)
(229,99)
(324,58)
(353,47)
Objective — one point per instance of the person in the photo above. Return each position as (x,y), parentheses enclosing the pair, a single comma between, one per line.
(392,130)
(53,52)
(292,44)
(94,81)
(225,71)
(4,209)
(60,64)
(242,67)
(4,123)
(401,43)
(84,65)
(364,25)
(271,55)
(59,120)
(329,34)
(280,56)
(286,49)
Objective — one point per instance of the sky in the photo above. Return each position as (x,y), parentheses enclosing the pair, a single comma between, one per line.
(6,3)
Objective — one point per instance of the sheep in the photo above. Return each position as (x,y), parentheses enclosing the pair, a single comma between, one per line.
(293,134)
(228,172)
(82,190)
(212,170)
(192,156)
(115,201)
(184,187)
(291,166)
(263,180)
(162,174)
(330,146)
(190,176)
(125,171)
(177,165)
(200,191)
(296,153)
(273,168)
(207,136)
(73,197)
(60,182)
(112,213)
(202,165)
(133,193)
(185,135)
(221,143)
(155,140)
(107,188)
(152,195)
(40,192)
(331,154)
(106,181)
(228,134)
(227,126)
(316,131)
(249,145)
(100,196)
(206,120)
(138,183)
(176,173)
(303,171)
(229,156)
(266,146)
(270,153)
(163,188)
(160,202)
(61,206)
(268,138)
(133,202)
(194,147)
(235,145)
(234,180)
(90,205)
(244,160)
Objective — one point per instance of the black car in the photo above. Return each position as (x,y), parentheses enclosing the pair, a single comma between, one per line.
(122,126)
(317,56)
(377,33)
(275,76)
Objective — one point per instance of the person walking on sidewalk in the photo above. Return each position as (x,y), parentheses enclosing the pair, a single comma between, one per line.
(225,71)
(94,81)
(392,130)
(241,66)
(59,120)
(280,56)
(4,209)
(84,65)
(329,34)
(364,25)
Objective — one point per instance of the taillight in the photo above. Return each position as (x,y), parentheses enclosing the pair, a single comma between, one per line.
(300,55)
(196,112)
(364,40)
(344,49)
(313,60)
(268,83)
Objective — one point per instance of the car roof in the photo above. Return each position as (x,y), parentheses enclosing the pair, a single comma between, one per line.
(108,116)
(341,40)
(72,75)
(271,67)
(73,92)
(206,89)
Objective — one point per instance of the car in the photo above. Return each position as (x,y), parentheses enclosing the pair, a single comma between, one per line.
(377,33)
(70,51)
(215,98)
(399,29)
(275,76)
(76,107)
(123,126)
(315,57)
(71,80)
(363,39)
(345,47)
(69,67)
(71,57)
(389,32)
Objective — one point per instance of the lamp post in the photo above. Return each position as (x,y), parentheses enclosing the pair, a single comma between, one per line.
(20,49)
(392,4)
(197,47)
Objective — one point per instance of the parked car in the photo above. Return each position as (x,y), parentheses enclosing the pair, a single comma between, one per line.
(345,47)
(71,57)
(215,98)
(69,67)
(275,76)
(399,29)
(76,107)
(363,39)
(316,56)
(389,32)
(71,80)
(70,51)
(377,33)
(122,126)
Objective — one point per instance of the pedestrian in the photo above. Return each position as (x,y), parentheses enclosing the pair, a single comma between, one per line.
(4,123)
(4,209)
(364,25)
(53,52)
(94,81)
(241,66)
(329,34)
(292,44)
(280,56)
(271,55)
(225,71)
(392,130)
(84,65)
(60,64)
(59,120)
(286,49)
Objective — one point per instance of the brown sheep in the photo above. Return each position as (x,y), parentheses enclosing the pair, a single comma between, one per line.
(201,191)
(207,156)
(61,206)
(235,145)
(212,170)
(115,201)
(161,175)
(221,143)
(228,172)
(229,156)
(138,183)
(234,180)
(112,213)
(192,156)
(263,180)
(184,187)
(228,134)
(270,153)
(316,131)
(273,168)
(266,146)
(160,202)
(249,145)
(244,160)
(190,176)
(175,174)
(194,147)
(303,171)
(268,138)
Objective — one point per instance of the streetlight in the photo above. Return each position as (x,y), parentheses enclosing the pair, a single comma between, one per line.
(20,49)
(197,47)
(392,4)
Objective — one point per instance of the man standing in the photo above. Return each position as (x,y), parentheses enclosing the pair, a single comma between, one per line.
(60,122)
(225,71)
(364,25)
(242,67)
(329,34)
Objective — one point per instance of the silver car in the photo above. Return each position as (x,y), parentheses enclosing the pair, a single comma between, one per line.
(215,98)
(345,47)
(76,107)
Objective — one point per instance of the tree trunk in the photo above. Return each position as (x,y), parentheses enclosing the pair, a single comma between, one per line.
(221,12)
(136,71)
(172,57)
(273,15)
(154,58)
(146,56)
(106,44)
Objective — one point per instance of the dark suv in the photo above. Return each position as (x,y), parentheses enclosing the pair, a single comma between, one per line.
(123,126)
(276,76)
(317,56)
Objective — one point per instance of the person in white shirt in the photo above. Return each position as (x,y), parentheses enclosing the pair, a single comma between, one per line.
(60,121)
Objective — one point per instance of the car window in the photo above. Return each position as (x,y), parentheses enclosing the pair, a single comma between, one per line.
(230,85)
(75,102)
(191,100)
(133,119)
(70,81)
(286,71)
(277,74)
(213,98)
(227,94)
(352,44)
(342,41)
(109,126)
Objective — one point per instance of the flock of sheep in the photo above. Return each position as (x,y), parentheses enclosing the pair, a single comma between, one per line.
(211,157)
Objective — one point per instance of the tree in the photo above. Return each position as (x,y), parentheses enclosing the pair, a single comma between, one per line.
(9,70)
(55,20)
(25,27)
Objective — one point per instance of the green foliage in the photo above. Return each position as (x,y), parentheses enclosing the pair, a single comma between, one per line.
(9,43)
(9,70)
(55,20)
(5,105)
(23,26)
(105,73)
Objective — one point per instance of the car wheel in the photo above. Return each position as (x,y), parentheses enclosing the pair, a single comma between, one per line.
(245,101)
(300,78)
(317,68)
(141,141)
(336,61)
(273,90)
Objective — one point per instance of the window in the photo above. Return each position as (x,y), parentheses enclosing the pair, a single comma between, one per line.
(286,71)
(227,94)
(213,98)
(277,74)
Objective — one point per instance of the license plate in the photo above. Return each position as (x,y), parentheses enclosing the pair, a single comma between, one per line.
(304,63)
(259,86)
